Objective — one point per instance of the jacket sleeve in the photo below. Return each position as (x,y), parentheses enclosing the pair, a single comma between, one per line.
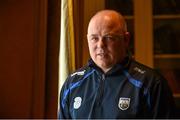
(163,105)
(63,111)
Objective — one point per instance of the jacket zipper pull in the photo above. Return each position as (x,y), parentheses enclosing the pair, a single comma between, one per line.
(103,77)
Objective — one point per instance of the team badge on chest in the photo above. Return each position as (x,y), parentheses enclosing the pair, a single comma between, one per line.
(124,103)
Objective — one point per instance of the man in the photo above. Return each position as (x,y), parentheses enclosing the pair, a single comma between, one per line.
(113,85)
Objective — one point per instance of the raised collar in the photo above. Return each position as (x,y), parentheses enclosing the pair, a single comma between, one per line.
(119,66)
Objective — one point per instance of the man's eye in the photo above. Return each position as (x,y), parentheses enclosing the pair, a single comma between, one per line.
(109,38)
(94,38)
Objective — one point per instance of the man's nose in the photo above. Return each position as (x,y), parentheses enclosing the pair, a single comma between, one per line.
(101,43)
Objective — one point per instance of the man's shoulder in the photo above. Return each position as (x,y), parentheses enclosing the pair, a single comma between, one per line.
(142,68)
(144,72)
(79,74)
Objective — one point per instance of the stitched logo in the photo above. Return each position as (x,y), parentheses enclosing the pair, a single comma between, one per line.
(77,102)
(78,73)
(124,103)
(139,70)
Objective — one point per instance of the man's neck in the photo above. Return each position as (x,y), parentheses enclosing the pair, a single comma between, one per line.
(105,70)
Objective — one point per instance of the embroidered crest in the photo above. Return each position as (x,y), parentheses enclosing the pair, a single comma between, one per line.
(124,103)
(77,102)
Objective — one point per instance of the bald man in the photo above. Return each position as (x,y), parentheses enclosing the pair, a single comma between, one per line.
(112,84)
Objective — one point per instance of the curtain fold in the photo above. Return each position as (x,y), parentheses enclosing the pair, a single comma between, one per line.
(52,59)
(67,46)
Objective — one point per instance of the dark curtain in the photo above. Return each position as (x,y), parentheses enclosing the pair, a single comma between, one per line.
(52,56)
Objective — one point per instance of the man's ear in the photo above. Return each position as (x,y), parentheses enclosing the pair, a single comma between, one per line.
(127,38)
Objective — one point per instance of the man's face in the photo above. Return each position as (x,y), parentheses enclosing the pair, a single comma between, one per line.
(107,43)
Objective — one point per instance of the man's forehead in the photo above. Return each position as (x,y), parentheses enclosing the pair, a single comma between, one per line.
(105,24)
(104,29)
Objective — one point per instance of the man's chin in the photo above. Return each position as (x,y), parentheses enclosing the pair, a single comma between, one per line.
(103,65)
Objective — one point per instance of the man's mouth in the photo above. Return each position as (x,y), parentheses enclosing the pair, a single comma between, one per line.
(101,54)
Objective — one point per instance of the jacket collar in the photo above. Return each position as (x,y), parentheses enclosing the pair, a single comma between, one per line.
(119,66)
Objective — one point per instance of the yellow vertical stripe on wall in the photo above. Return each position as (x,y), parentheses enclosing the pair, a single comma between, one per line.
(67,46)
(71,29)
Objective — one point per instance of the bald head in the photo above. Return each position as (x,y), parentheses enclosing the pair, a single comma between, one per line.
(110,16)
